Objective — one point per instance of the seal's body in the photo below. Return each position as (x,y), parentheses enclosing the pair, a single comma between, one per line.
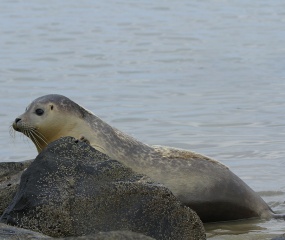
(203,184)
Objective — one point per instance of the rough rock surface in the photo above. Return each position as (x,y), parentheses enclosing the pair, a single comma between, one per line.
(71,189)
(10,174)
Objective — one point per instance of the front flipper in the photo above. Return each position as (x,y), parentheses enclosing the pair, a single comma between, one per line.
(83,139)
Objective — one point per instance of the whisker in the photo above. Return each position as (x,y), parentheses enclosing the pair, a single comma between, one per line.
(35,140)
(39,135)
(12,131)
(26,133)
(31,135)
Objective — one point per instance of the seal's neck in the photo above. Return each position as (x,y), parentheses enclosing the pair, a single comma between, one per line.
(120,146)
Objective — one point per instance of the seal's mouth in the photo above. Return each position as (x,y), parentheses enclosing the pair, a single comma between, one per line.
(31,132)
(15,127)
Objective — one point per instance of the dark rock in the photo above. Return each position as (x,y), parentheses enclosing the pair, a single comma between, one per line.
(71,189)
(13,233)
(281,237)
(10,174)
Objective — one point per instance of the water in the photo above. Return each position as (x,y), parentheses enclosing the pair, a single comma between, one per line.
(203,75)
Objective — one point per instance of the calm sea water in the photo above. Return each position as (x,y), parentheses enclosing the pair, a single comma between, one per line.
(202,75)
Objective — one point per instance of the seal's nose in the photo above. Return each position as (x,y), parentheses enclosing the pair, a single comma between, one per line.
(17,120)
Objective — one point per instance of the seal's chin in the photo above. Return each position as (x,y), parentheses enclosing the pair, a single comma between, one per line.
(15,127)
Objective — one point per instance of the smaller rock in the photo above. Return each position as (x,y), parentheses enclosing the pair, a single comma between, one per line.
(281,237)
(10,174)
(113,235)
(8,232)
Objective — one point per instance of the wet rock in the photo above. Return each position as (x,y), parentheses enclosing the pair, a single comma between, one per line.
(113,235)
(8,232)
(71,189)
(10,174)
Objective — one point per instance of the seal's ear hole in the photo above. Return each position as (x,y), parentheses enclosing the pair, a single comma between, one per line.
(51,107)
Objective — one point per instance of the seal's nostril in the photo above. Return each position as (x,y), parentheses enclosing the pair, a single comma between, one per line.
(17,120)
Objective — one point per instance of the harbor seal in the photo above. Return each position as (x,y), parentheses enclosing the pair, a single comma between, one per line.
(204,184)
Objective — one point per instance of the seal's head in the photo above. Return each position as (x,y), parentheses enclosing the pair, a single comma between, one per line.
(48,118)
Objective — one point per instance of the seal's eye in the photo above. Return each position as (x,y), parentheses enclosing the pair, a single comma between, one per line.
(39,112)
